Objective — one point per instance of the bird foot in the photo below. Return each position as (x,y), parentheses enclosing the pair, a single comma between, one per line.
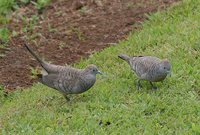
(154,88)
(139,87)
(68,99)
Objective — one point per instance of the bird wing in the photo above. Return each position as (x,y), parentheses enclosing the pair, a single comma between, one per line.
(50,79)
(65,82)
(144,66)
(139,67)
(56,69)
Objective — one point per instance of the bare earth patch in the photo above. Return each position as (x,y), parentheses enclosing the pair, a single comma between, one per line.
(67,30)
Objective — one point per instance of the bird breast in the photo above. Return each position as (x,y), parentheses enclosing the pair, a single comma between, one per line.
(86,82)
(159,77)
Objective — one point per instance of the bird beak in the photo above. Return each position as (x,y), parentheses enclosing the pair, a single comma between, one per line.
(169,73)
(100,72)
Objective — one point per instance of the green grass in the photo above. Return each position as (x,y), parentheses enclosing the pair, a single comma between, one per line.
(173,109)
(7,6)
(4,34)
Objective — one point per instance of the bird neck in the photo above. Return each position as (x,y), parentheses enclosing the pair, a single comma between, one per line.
(88,76)
(87,80)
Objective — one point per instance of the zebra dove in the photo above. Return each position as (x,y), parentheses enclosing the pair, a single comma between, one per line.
(66,79)
(148,68)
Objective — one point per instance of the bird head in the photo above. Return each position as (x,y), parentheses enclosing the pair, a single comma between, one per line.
(92,69)
(165,66)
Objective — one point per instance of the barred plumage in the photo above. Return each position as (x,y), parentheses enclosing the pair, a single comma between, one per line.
(66,79)
(148,68)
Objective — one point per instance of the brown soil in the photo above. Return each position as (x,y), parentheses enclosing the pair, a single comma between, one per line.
(67,30)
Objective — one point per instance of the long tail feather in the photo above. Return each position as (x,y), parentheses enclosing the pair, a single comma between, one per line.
(124,57)
(42,63)
(34,55)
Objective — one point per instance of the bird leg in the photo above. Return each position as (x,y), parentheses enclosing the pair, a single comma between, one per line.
(66,98)
(138,84)
(152,86)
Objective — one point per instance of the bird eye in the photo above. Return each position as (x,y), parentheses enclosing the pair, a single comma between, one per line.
(94,70)
(164,67)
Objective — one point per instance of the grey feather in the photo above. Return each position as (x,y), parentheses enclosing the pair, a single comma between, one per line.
(148,68)
(66,79)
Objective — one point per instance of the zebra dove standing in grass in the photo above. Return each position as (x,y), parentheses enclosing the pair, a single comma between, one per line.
(148,68)
(66,79)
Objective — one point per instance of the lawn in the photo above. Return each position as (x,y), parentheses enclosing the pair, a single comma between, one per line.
(113,105)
